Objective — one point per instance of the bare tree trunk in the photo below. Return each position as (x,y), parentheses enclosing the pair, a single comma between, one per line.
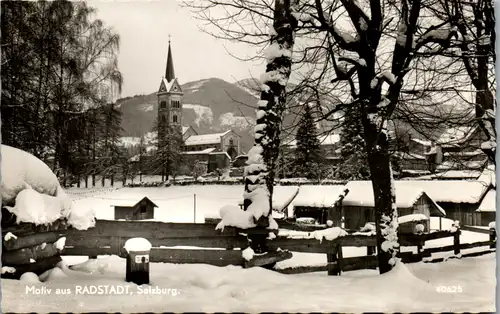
(383,190)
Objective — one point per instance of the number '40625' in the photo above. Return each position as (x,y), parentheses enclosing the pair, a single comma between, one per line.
(449,289)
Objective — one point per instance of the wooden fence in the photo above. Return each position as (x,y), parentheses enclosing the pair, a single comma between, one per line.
(224,248)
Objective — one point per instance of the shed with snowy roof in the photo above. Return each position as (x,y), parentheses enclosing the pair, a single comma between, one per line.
(459,198)
(358,207)
(144,209)
(316,201)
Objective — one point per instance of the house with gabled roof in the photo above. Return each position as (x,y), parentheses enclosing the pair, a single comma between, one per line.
(143,209)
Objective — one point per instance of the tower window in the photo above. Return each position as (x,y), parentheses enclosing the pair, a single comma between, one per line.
(176,104)
(163,104)
(174,118)
(163,119)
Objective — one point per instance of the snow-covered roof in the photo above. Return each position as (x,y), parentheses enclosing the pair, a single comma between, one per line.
(200,152)
(361,194)
(452,174)
(449,191)
(488,176)
(330,139)
(184,129)
(456,135)
(318,195)
(204,139)
(467,164)
(477,152)
(407,193)
(489,202)
(422,142)
(405,155)
(412,218)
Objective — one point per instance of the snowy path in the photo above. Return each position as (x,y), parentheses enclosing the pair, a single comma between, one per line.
(205,288)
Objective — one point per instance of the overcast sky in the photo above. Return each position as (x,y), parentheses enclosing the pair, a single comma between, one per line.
(144,27)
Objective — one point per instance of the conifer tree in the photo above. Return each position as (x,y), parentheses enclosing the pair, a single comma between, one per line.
(354,160)
(308,154)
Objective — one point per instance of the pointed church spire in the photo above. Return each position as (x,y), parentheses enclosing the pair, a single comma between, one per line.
(169,72)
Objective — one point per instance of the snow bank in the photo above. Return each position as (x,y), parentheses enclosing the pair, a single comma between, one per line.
(30,279)
(233,216)
(328,234)
(205,288)
(53,274)
(412,218)
(33,207)
(248,253)
(82,217)
(137,245)
(20,168)
(9,236)
(91,266)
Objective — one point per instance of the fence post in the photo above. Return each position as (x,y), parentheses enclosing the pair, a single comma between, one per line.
(137,265)
(456,241)
(333,260)
(194,204)
(493,238)
(370,250)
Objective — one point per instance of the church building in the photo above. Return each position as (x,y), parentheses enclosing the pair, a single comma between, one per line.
(216,150)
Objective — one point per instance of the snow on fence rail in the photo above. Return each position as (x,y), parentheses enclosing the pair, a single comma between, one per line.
(201,243)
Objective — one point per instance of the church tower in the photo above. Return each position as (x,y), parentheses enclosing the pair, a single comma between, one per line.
(169,102)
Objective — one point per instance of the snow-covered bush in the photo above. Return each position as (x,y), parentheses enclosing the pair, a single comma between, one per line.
(20,169)
(31,191)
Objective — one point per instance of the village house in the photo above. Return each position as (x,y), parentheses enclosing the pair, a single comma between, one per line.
(456,149)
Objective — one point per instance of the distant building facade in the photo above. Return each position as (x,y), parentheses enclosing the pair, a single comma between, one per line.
(215,149)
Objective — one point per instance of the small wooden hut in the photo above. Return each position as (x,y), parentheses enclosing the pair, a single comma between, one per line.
(317,201)
(144,209)
(358,207)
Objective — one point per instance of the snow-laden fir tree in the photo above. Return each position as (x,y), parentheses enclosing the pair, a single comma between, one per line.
(354,160)
(309,156)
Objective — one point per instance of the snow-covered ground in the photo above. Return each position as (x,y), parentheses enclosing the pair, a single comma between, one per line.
(175,203)
(205,288)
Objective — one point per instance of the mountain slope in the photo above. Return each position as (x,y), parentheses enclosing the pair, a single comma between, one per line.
(209,105)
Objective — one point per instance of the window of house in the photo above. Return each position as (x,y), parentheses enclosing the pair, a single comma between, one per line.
(163,104)
(231,142)
(174,118)
(143,209)
(163,119)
